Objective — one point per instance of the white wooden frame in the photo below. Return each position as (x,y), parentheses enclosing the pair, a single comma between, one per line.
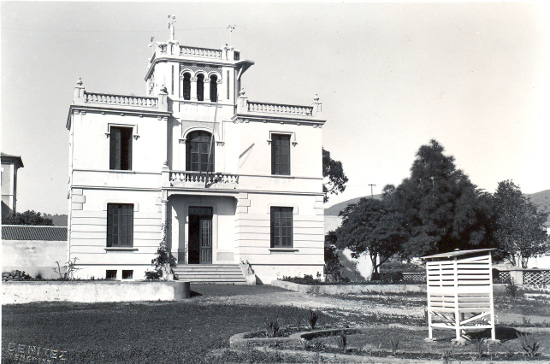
(460,291)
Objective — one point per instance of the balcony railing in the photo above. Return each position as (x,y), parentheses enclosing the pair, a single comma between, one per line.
(123,100)
(279,108)
(200,52)
(194,179)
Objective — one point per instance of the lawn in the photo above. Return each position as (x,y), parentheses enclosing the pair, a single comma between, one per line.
(158,332)
(189,331)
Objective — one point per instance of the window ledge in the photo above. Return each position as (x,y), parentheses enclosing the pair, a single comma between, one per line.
(115,249)
(283,250)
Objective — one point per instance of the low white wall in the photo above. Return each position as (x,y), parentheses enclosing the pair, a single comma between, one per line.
(92,291)
(349,288)
(359,288)
(33,256)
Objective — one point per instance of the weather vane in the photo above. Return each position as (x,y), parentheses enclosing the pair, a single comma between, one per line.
(231,29)
(171,21)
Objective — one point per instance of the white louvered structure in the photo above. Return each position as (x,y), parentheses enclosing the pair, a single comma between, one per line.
(460,291)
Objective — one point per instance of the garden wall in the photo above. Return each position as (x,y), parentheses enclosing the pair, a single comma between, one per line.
(349,288)
(33,256)
(359,288)
(92,291)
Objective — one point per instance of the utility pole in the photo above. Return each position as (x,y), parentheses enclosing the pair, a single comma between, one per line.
(371,194)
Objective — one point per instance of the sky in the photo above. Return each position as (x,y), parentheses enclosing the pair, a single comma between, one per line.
(391,76)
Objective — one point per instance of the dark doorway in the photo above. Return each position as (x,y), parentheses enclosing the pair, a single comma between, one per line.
(200,235)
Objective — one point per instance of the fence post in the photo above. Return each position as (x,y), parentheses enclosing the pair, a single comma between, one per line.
(516,274)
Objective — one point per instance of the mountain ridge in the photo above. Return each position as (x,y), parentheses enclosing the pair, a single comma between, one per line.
(541,199)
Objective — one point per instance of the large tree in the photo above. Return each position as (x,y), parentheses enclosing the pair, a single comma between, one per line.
(442,208)
(28,217)
(373,227)
(520,231)
(333,174)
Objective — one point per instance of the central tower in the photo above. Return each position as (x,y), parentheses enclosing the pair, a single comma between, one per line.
(194,74)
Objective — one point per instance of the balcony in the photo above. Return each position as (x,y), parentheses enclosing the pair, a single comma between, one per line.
(216,180)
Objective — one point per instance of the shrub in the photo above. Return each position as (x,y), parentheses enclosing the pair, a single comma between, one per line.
(306,279)
(529,344)
(394,344)
(272,327)
(164,260)
(332,268)
(67,271)
(152,275)
(312,319)
(16,275)
(480,347)
(342,340)
(512,289)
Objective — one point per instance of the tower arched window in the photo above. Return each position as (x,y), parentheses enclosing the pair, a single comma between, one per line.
(186,89)
(200,152)
(200,87)
(214,88)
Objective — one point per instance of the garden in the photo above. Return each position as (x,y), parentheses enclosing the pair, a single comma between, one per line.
(331,328)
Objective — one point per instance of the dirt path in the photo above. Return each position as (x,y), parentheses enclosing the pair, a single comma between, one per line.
(328,304)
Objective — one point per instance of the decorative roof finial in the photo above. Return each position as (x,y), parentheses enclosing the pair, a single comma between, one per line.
(242,93)
(171,21)
(79,82)
(231,29)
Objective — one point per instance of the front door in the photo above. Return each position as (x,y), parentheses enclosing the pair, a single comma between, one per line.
(200,235)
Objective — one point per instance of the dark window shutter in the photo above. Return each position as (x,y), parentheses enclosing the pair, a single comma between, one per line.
(281,227)
(128,142)
(280,154)
(199,146)
(115,146)
(120,225)
(213,88)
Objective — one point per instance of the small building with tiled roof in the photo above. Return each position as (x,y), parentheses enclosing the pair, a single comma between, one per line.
(10,165)
(34,249)
(34,232)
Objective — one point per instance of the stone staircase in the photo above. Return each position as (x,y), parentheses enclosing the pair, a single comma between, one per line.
(210,273)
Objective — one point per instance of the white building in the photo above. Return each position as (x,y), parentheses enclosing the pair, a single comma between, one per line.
(10,165)
(234,180)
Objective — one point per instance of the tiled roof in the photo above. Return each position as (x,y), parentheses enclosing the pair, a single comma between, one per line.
(34,232)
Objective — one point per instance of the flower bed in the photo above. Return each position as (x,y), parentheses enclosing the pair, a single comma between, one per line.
(403,342)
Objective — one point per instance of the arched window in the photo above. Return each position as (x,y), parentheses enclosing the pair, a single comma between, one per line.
(200,87)
(213,88)
(200,152)
(186,86)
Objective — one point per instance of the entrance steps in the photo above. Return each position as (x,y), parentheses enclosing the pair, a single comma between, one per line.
(210,273)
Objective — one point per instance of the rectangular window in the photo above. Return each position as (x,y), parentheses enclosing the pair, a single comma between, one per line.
(120,225)
(120,148)
(280,154)
(127,274)
(281,227)
(110,274)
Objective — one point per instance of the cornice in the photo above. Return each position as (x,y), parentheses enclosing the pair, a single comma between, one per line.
(115,109)
(273,119)
(197,60)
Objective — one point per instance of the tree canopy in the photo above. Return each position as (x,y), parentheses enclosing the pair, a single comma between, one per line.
(520,231)
(443,210)
(28,217)
(333,174)
(371,226)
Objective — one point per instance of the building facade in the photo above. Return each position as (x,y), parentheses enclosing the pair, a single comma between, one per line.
(10,165)
(226,179)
